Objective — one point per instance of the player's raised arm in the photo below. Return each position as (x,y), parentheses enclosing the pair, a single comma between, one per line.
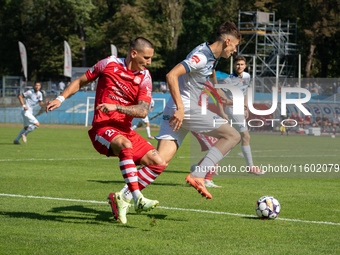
(172,79)
(69,91)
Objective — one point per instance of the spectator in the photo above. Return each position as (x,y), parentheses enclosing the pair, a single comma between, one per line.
(307,121)
(16,89)
(334,88)
(325,123)
(317,122)
(335,122)
(316,88)
(296,85)
(53,87)
(300,120)
(307,87)
(163,87)
(293,116)
(279,85)
(61,86)
(288,85)
(93,86)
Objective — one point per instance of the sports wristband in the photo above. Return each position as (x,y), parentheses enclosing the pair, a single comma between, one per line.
(23,105)
(61,98)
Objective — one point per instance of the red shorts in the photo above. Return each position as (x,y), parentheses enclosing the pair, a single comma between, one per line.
(101,138)
(205,141)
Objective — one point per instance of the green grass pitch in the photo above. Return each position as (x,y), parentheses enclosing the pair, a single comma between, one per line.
(61,163)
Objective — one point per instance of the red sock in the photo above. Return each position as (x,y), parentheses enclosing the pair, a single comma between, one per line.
(147,174)
(211,172)
(128,168)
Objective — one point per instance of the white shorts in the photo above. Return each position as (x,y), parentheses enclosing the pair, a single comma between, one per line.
(146,119)
(28,117)
(238,121)
(193,121)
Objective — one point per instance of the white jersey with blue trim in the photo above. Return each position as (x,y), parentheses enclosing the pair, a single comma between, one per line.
(241,82)
(199,65)
(32,98)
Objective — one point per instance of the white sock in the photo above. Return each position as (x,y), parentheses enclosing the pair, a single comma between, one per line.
(30,129)
(148,131)
(135,195)
(127,195)
(214,155)
(126,192)
(19,135)
(247,155)
(134,127)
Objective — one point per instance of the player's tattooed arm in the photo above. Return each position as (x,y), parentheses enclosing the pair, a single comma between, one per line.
(138,111)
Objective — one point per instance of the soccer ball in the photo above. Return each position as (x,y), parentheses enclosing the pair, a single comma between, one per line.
(267,207)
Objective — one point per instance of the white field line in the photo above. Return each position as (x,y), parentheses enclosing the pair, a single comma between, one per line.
(52,159)
(171,208)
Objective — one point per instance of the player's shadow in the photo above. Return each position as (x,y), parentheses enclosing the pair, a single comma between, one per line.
(163,217)
(75,214)
(122,182)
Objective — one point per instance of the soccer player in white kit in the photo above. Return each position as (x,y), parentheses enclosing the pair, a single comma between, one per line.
(241,79)
(182,112)
(33,97)
(146,121)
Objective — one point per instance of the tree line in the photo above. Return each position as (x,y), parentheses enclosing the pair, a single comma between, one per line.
(174,26)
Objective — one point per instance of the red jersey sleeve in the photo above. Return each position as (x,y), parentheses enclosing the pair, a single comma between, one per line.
(96,71)
(145,88)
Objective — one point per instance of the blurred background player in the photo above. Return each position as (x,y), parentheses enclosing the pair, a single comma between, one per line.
(123,93)
(241,79)
(182,112)
(32,97)
(146,121)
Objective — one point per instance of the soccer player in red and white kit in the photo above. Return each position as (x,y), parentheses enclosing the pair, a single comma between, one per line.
(123,93)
